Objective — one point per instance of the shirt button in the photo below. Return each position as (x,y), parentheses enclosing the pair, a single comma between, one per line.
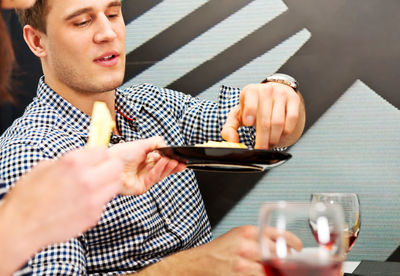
(167,221)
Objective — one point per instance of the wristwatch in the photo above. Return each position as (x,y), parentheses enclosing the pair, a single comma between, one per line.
(284,79)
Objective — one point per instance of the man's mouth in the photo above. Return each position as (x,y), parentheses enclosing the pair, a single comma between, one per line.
(107,57)
(107,60)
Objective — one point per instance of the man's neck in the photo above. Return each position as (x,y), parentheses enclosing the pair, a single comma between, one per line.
(84,100)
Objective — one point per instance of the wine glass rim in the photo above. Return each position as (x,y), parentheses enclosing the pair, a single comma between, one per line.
(283,204)
(302,210)
(335,193)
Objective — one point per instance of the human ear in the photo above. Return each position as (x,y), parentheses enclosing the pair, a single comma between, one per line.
(34,39)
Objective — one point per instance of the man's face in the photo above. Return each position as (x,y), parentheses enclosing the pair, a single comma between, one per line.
(85,45)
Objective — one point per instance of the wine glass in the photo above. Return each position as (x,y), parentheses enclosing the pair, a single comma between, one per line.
(288,247)
(350,204)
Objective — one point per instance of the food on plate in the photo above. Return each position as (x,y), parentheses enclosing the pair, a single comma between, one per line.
(223,144)
(101,125)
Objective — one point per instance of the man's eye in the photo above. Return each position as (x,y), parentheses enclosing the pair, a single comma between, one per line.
(82,23)
(113,15)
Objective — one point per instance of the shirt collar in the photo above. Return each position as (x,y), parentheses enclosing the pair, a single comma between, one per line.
(77,119)
(127,104)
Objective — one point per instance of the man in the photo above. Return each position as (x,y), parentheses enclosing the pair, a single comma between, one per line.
(82,52)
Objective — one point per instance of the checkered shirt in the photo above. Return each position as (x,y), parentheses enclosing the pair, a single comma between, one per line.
(134,231)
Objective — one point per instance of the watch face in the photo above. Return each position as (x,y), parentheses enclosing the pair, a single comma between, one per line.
(284,79)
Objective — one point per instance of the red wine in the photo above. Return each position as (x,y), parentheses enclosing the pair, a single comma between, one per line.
(278,267)
(352,239)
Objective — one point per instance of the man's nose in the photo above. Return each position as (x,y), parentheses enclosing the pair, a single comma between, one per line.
(105,31)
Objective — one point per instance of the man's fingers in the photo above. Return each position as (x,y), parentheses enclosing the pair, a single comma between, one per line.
(230,134)
(155,172)
(292,113)
(277,119)
(135,150)
(252,251)
(150,144)
(229,131)
(272,234)
(172,166)
(293,241)
(152,158)
(249,106)
(158,171)
(168,169)
(180,167)
(154,143)
(263,124)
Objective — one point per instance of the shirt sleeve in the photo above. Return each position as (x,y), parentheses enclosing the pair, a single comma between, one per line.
(202,120)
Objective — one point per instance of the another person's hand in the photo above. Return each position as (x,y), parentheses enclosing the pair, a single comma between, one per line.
(58,199)
(275,109)
(143,166)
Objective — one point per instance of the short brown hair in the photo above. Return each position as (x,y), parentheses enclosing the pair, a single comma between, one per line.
(6,61)
(35,16)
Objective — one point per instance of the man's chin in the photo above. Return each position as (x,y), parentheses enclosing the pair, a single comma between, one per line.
(112,85)
(108,84)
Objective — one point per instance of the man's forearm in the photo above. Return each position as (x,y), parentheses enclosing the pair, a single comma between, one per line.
(188,262)
(180,263)
(233,253)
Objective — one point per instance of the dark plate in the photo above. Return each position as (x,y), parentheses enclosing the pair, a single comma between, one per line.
(226,159)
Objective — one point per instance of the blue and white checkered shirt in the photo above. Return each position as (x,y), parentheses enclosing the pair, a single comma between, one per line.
(134,231)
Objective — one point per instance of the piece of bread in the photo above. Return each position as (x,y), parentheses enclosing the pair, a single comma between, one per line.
(101,126)
(223,144)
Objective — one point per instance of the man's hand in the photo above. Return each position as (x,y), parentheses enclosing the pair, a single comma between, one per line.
(235,253)
(271,234)
(276,110)
(143,166)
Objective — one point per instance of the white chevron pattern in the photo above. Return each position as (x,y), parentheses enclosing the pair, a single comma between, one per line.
(214,41)
(257,69)
(158,19)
